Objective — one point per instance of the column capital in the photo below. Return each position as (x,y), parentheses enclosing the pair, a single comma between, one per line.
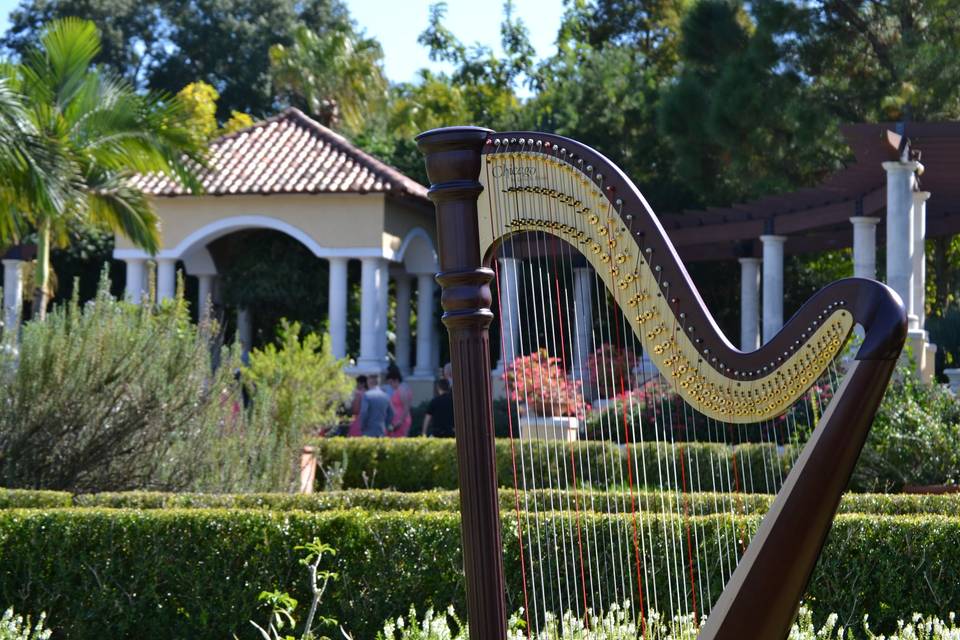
(894,166)
(749,260)
(11,262)
(864,221)
(772,239)
(921,196)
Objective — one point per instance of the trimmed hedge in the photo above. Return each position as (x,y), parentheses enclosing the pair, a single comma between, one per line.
(599,501)
(419,464)
(165,574)
(34,499)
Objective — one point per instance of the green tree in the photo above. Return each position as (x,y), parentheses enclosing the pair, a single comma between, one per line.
(307,384)
(157,44)
(96,133)
(335,76)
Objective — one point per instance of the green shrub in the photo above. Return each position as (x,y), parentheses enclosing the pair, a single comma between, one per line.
(915,438)
(418,464)
(34,499)
(114,396)
(538,500)
(197,573)
(308,384)
(100,395)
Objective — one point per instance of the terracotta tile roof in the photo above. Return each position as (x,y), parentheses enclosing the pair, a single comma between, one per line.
(288,153)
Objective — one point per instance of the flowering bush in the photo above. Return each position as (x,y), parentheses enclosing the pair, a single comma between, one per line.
(611,368)
(16,627)
(618,623)
(540,381)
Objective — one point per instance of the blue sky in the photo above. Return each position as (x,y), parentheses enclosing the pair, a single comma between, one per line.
(397,23)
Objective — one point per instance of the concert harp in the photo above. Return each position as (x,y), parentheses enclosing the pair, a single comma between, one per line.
(555,203)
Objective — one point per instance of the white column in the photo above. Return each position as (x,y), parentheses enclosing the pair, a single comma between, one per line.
(425,320)
(136,277)
(900,181)
(244,330)
(12,296)
(337,307)
(166,278)
(509,320)
(402,344)
(583,316)
(750,304)
(373,278)
(864,247)
(383,311)
(204,294)
(920,256)
(772,285)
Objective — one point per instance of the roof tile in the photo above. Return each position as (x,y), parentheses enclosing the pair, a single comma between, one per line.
(288,153)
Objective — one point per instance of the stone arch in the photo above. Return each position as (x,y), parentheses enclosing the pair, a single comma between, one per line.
(417,253)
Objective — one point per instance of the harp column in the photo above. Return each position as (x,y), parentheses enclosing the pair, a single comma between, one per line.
(772,284)
(864,247)
(453,165)
(749,304)
(509,310)
(583,314)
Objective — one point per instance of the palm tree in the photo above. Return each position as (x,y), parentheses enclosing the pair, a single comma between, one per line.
(95,131)
(336,76)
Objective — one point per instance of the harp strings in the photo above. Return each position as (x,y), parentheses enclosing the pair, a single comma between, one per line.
(631,532)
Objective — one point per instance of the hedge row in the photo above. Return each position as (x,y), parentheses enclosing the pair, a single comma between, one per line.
(196,573)
(418,464)
(535,500)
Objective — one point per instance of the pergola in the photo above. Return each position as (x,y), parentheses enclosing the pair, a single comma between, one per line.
(897,167)
(290,174)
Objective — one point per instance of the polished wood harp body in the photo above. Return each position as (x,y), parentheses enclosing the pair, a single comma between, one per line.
(491,189)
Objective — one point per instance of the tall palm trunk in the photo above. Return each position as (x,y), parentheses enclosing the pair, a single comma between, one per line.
(42,279)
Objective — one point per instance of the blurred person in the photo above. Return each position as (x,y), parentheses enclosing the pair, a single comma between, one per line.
(401,400)
(438,422)
(376,414)
(358,392)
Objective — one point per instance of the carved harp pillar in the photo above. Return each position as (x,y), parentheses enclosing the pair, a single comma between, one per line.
(561,208)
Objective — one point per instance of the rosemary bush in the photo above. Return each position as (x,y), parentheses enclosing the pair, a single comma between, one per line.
(112,396)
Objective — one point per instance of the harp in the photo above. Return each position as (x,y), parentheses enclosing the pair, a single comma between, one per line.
(556,203)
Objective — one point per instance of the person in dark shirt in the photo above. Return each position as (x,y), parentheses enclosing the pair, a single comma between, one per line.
(438,422)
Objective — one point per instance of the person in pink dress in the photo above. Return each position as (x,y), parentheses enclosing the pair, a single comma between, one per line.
(400,400)
(355,431)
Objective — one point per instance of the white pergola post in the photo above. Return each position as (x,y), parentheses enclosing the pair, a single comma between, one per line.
(402,319)
(373,315)
(864,246)
(425,338)
(383,311)
(749,304)
(166,278)
(509,320)
(583,318)
(245,330)
(12,296)
(920,256)
(204,294)
(900,231)
(136,277)
(337,307)
(772,285)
